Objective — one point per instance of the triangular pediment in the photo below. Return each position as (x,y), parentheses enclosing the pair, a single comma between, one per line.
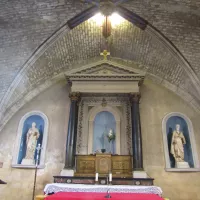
(105,67)
(105,70)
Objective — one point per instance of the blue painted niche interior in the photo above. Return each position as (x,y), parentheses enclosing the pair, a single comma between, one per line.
(104,121)
(170,127)
(26,126)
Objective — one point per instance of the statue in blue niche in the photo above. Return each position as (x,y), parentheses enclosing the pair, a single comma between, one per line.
(31,143)
(177,148)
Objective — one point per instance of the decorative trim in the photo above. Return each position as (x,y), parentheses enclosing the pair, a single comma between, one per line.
(104,68)
(114,64)
(74,96)
(96,110)
(95,100)
(135,97)
(97,77)
(128,128)
(192,140)
(18,140)
(182,170)
(80,128)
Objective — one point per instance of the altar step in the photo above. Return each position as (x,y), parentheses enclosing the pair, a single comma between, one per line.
(103,180)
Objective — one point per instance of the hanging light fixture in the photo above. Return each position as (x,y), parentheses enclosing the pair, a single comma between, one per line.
(107,22)
(107,8)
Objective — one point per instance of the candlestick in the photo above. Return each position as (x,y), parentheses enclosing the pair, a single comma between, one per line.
(38,148)
(96,177)
(110,177)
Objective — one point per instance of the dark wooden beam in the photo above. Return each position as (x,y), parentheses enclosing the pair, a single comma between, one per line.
(2,182)
(83,16)
(132,17)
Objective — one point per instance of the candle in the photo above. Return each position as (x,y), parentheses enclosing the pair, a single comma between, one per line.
(110,177)
(96,177)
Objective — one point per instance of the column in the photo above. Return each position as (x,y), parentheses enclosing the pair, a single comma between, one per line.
(72,131)
(136,133)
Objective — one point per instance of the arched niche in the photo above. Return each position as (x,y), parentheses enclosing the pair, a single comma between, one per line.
(190,153)
(20,147)
(91,117)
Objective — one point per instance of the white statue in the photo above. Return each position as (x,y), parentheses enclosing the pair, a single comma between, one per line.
(111,136)
(178,140)
(177,148)
(110,133)
(31,143)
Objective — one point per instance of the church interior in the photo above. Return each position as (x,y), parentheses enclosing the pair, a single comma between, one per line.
(99,99)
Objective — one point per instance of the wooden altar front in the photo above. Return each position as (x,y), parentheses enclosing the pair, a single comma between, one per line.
(119,165)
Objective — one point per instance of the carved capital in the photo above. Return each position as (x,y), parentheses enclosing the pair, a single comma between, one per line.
(140,82)
(135,97)
(74,96)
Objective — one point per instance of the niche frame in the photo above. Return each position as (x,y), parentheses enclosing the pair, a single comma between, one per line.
(192,141)
(19,136)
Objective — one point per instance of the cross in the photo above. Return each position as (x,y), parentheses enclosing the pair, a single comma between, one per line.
(105,53)
(37,155)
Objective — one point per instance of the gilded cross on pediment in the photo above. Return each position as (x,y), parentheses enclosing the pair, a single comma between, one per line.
(105,53)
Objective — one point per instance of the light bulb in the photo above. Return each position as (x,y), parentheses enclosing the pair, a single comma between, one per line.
(98,18)
(116,19)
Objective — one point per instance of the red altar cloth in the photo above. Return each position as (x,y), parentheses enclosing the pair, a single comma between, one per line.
(101,196)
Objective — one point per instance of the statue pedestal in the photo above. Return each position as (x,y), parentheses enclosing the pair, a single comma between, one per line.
(182,165)
(140,174)
(28,162)
(67,172)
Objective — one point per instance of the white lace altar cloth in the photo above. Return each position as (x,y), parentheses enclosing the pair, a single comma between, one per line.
(62,187)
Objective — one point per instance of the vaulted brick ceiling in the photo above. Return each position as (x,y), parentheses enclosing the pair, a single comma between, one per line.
(25,26)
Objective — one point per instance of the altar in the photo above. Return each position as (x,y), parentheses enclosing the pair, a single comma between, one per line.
(104,140)
(104,133)
(102,196)
(103,164)
(59,187)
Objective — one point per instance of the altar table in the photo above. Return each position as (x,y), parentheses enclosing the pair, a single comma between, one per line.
(101,196)
(60,187)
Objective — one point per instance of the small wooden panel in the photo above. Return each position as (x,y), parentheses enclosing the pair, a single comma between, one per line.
(122,166)
(103,164)
(88,165)
(85,165)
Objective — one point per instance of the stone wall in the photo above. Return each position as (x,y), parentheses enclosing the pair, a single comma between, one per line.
(54,102)
(156,102)
(30,23)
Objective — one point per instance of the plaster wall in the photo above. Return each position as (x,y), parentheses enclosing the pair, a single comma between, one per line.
(156,102)
(55,103)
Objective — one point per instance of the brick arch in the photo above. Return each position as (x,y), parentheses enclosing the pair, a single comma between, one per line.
(146,50)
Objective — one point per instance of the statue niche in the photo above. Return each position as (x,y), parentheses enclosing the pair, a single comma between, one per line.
(32,135)
(179,143)
(104,130)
